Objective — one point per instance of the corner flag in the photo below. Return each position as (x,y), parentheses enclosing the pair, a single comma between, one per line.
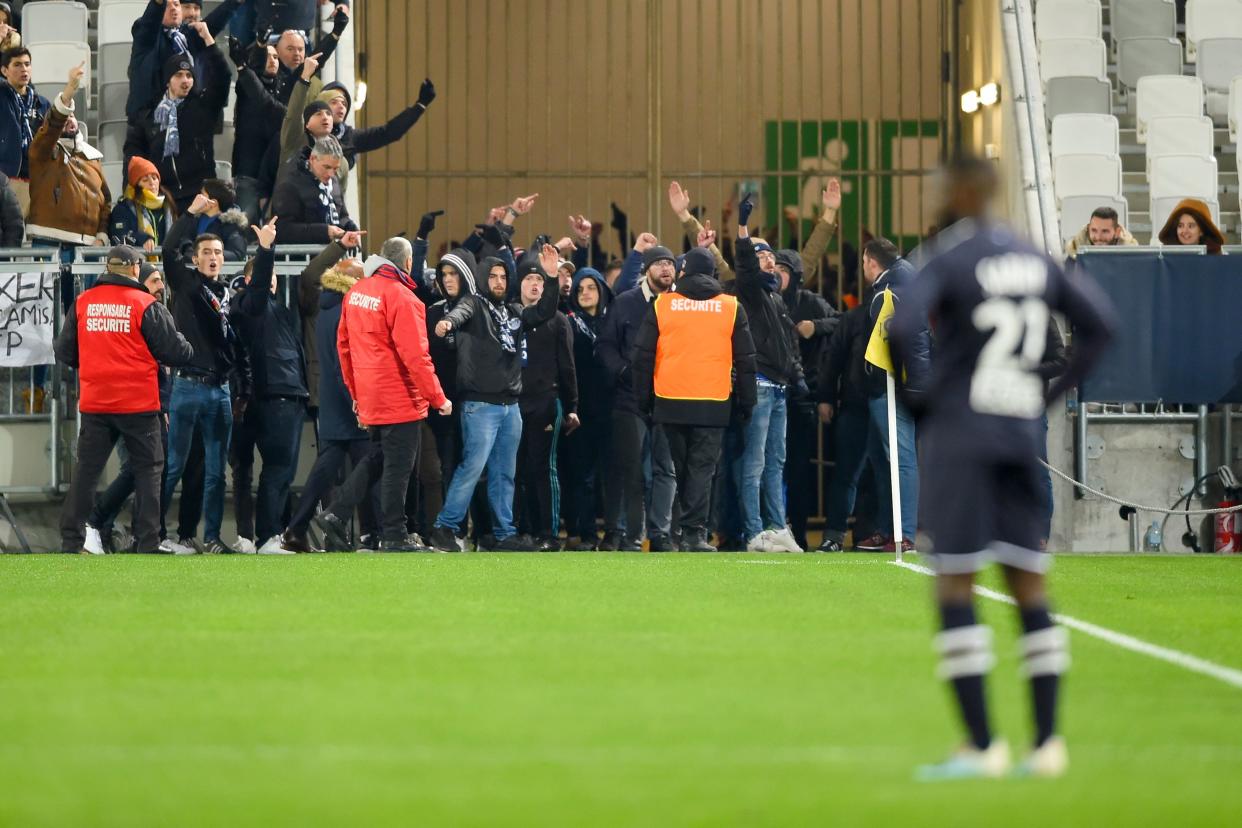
(877,347)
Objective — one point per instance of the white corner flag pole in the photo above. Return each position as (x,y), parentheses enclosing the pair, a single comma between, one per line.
(894,479)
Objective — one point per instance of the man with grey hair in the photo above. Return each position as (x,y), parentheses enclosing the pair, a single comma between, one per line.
(381,341)
(309,200)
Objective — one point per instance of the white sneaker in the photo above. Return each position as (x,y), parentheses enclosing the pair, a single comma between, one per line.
(94,542)
(784,539)
(245,546)
(969,763)
(166,547)
(1049,760)
(762,542)
(272,547)
(181,546)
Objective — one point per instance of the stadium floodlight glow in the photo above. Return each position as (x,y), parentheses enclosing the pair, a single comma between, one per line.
(970,101)
(989,94)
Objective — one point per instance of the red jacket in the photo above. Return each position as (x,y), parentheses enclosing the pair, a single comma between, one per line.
(382,342)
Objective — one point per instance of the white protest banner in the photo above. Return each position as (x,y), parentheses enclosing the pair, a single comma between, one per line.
(27,310)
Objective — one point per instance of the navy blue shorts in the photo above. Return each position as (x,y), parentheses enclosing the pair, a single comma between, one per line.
(978,512)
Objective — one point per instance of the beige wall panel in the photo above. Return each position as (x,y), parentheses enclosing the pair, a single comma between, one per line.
(555,97)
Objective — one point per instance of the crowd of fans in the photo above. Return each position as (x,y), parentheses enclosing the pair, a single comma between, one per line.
(531,415)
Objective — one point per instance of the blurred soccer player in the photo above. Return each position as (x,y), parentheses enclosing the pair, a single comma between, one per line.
(990,294)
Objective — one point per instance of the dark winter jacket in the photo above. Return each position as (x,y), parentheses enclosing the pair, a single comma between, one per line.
(354,141)
(444,348)
(12,223)
(281,15)
(614,349)
(548,363)
(271,332)
(915,373)
(257,118)
(337,420)
(696,286)
(807,306)
(218,350)
(842,382)
(298,202)
(489,338)
(183,174)
(124,227)
(231,226)
(595,388)
(152,47)
(777,356)
(310,284)
(13,157)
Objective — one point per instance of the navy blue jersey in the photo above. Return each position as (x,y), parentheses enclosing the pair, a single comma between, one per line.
(989,296)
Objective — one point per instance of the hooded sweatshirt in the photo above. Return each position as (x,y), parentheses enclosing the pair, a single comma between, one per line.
(489,337)
(807,306)
(777,357)
(444,349)
(594,385)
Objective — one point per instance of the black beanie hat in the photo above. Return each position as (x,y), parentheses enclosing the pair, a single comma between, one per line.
(175,64)
(656,254)
(312,108)
(698,262)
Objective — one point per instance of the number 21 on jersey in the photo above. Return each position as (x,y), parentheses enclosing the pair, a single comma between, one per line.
(1005,382)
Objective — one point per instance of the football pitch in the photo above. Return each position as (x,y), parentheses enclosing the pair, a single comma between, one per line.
(585,689)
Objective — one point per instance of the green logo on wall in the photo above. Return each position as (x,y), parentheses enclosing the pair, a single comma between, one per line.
(882,166)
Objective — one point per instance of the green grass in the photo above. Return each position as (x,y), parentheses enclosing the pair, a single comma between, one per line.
(581,690)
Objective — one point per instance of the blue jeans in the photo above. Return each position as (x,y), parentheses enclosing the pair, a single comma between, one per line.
(907,467)
(208,409)
(490,436)
(763,464)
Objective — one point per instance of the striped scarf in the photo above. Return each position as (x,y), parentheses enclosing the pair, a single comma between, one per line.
(178,40)
(25,104)
(166,118)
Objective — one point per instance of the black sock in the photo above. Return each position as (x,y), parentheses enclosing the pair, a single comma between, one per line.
(1044,687)
(968,689)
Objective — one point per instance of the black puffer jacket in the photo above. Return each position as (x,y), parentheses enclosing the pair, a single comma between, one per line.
(298,203)
(841,379)
(807,306)
(776,351)
(489,361)
(271,332)
(258,118)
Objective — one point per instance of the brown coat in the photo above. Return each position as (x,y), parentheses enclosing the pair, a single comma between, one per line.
(69,199)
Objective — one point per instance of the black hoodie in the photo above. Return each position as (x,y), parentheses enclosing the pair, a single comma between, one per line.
(489,337)
(595,386)
(444,349)
(807,306)
(696,282)
(777,357)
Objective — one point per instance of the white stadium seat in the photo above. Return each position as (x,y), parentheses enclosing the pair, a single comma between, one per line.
(1235,110)
(51,61)
(1077,95)
(53,21)
(1138,57)
(1166,95)
(1179,135)
(1183,176)
(1075,175)
(112,138)
(1072,57)
(114,176)
(116,19)
(1056,19)
(1085,134)
(1211,18)
(1076,212)
(1142,18)
(1220,61)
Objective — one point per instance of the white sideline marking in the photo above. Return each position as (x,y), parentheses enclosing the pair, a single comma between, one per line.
(1127,642)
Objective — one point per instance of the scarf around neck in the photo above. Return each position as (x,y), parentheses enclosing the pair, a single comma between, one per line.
(26,104)
(166,119)
(178,40)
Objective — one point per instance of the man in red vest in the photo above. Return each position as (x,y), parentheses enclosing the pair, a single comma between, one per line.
(116,334)
(694,370)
